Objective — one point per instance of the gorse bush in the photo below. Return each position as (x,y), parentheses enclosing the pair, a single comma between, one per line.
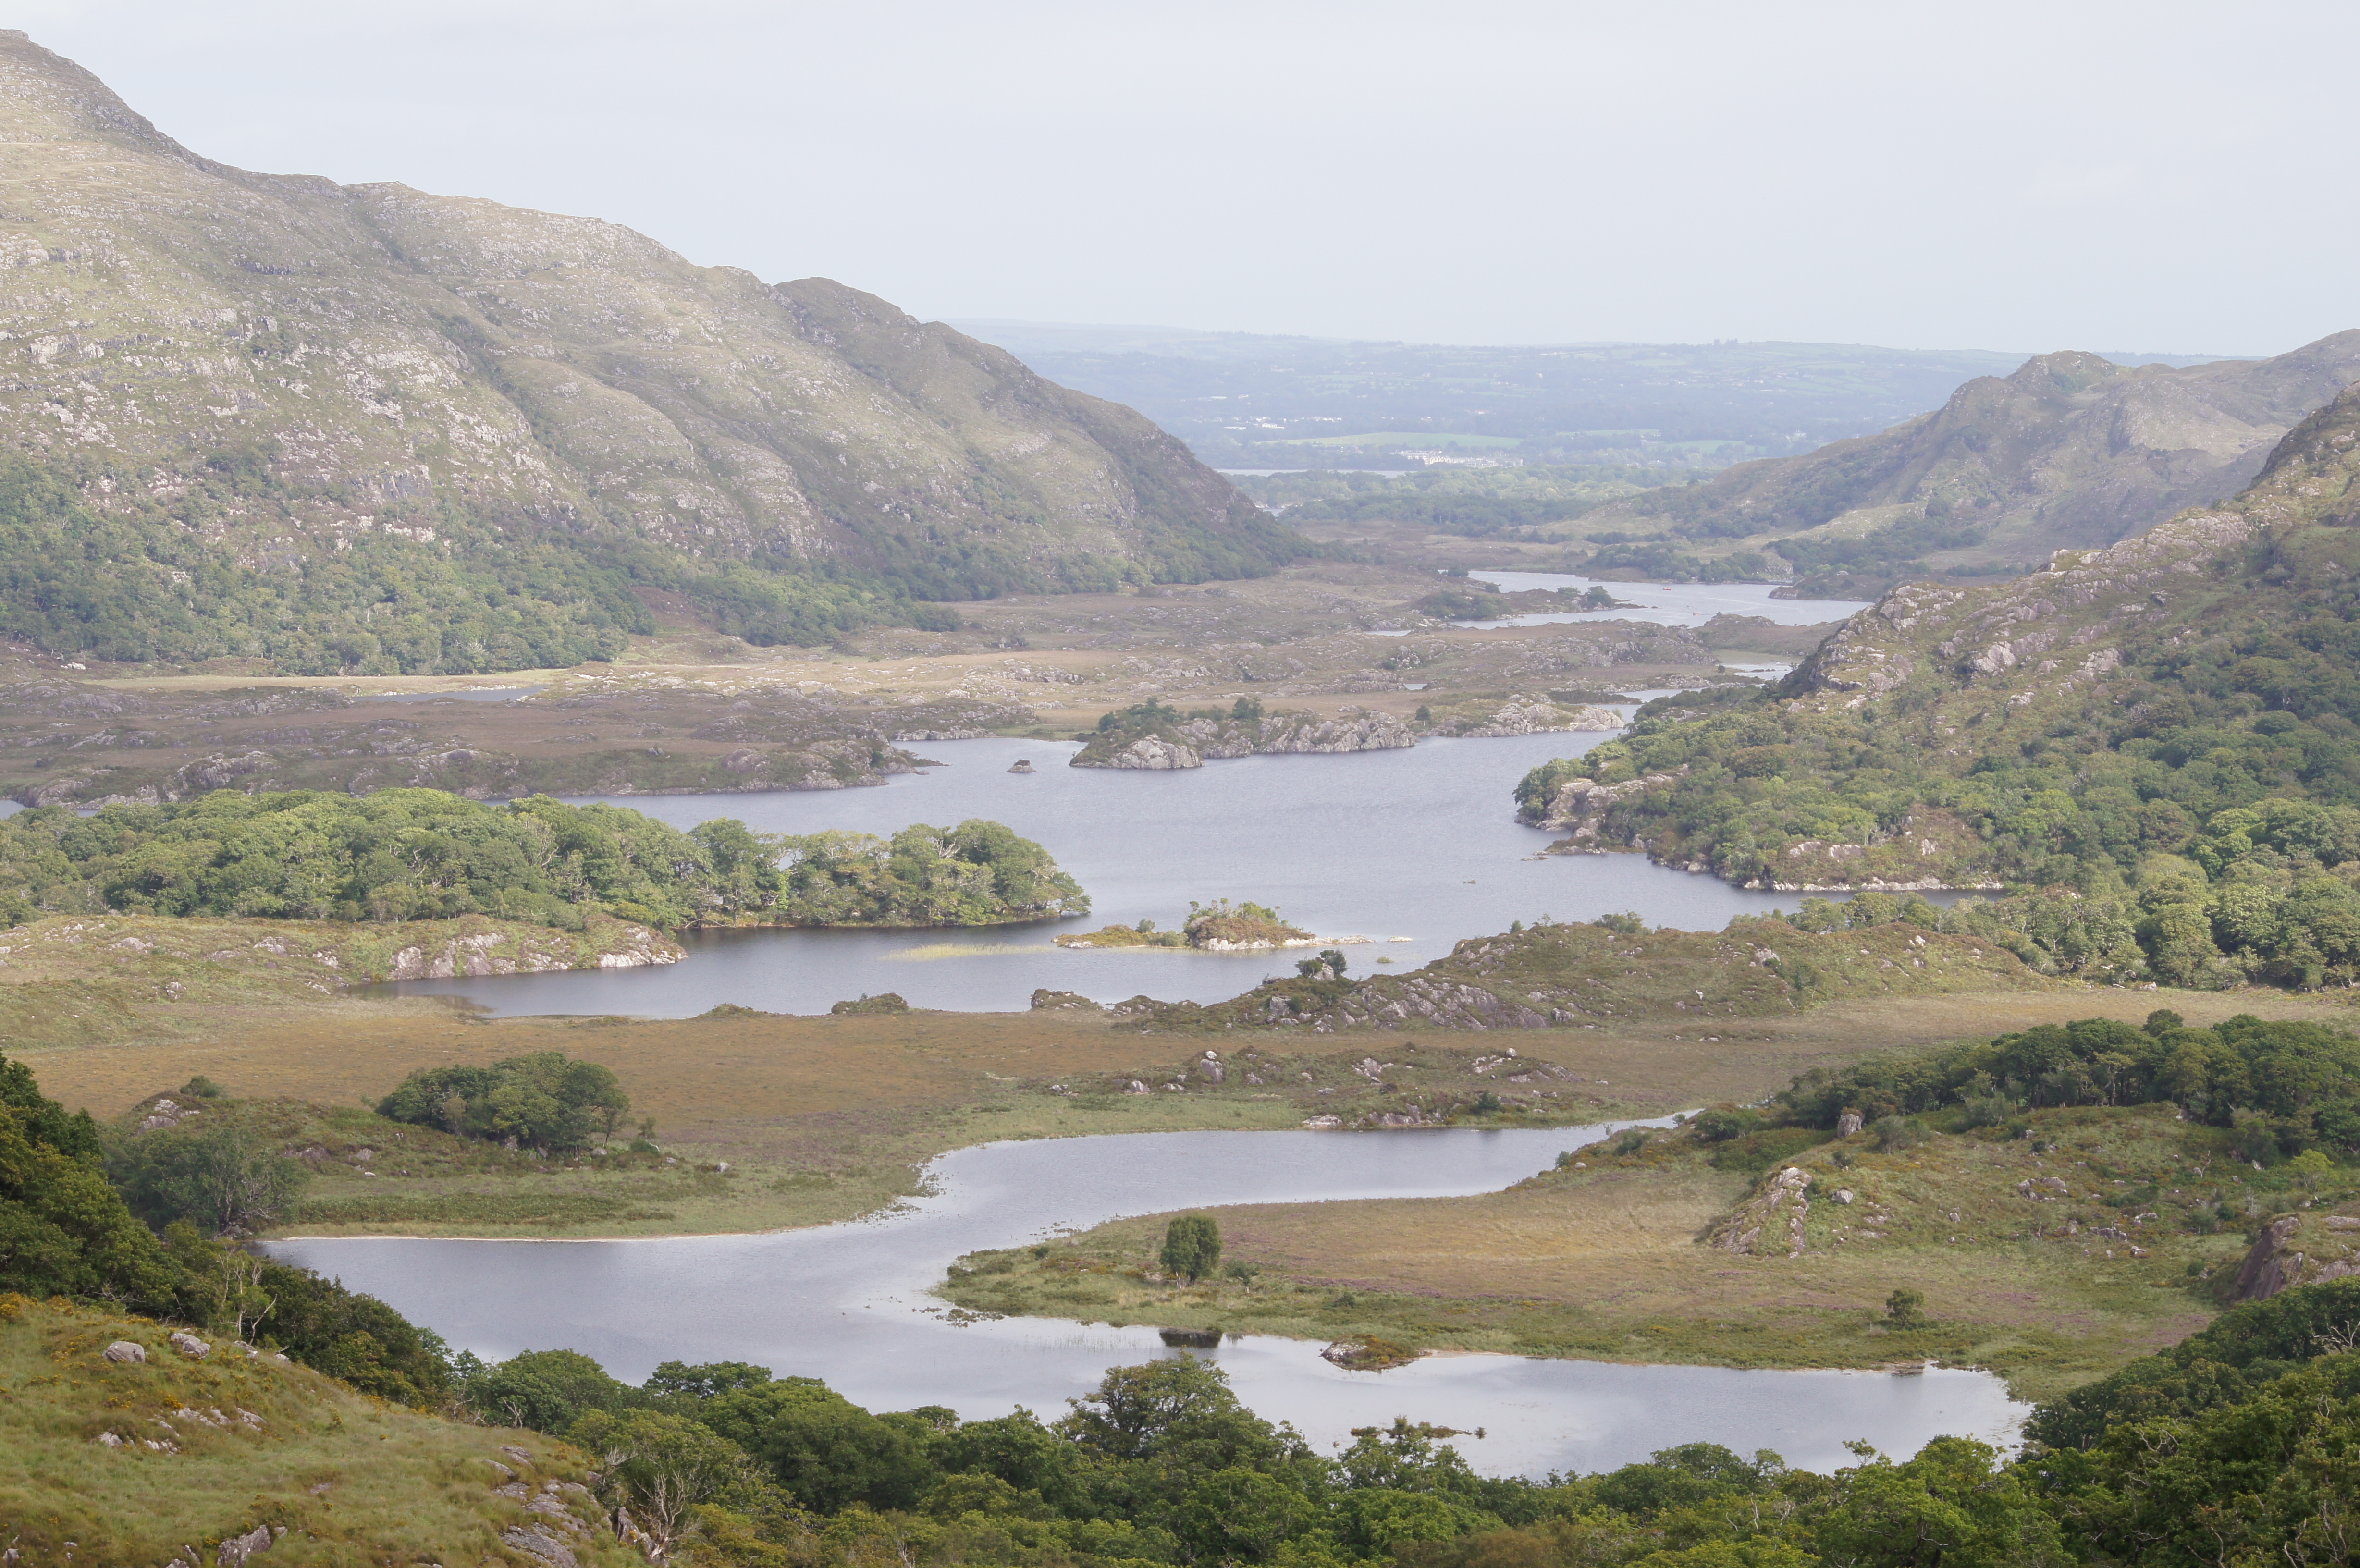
(400,855)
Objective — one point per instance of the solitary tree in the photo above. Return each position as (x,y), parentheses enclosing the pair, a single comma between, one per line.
(1906,1309)
(1192,1246)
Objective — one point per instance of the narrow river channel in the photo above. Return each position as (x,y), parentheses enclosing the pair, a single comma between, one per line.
(848,1303)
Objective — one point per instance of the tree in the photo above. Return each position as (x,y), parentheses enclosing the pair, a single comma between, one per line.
(221,1175)
(1906,1309)
(1192,1246)
(663,1467)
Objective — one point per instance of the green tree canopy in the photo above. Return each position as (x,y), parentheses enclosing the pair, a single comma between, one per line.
(541,1101)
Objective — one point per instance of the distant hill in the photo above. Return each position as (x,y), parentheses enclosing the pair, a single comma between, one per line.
(2071,451)
(255,407)
(1253,400)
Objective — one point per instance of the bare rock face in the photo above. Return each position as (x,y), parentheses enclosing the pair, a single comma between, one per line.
(1353,729)
(1848,1124)
(189,1344)
(126,1351)
(1533,715)
(238,1548)
(1581,804)
(1770,1222)
(2274,1264)
(531,951)
(1152,754)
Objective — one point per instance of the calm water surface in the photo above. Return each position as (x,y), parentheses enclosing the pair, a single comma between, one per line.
(1671,603)
(848,1303)
(1420,843)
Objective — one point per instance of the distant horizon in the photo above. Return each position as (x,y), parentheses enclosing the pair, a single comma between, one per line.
(1523,173)
(970,324)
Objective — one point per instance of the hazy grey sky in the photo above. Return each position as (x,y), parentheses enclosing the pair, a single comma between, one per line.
(2160,175)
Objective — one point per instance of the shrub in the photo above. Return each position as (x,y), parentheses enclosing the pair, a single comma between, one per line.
(1719,1126)
(1986,1110)
(1894,1133)
(1906,1309)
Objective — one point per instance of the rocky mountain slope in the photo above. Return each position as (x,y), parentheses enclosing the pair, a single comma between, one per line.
(276,375)
(2070,450)
(2160,731)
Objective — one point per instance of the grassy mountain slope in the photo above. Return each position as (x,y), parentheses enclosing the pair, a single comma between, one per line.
(209,1450)
(2163,728)
(390,406)
(2070,450)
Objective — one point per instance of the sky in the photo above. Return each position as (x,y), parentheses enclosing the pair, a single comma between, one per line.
(2160,176)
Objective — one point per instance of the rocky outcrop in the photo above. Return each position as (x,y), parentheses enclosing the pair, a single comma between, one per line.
(1190,743)
(1149,753)
(532,951)
(2274,1262)
(1352,730)
(1581,805)
(1529,715)
(1561,976)
(1769,1223)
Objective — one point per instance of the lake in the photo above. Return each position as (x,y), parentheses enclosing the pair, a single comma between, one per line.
(1421,842)
(1670,604)
(848,1303)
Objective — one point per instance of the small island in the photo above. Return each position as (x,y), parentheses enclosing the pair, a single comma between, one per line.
(1217,927)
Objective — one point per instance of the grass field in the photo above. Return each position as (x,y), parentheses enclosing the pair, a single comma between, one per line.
(826,1118)
(211,1449)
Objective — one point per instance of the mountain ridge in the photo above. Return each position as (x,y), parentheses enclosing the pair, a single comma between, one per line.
(2069,450)
(378,361)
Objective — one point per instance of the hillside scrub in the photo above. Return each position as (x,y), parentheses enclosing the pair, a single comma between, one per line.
(2175,795)
(68,1232)
(480,592)
(408,855)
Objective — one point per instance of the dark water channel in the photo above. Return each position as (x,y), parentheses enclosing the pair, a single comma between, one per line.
(848,1303)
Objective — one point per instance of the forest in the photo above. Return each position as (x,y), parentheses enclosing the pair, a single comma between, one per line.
(403,854)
